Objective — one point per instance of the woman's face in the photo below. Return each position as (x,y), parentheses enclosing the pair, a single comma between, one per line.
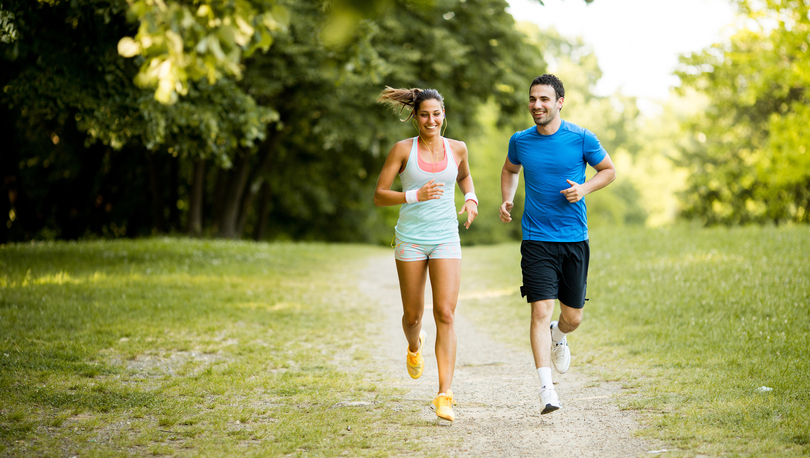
(430,118)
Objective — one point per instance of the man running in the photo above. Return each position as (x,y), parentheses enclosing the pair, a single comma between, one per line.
(555,250)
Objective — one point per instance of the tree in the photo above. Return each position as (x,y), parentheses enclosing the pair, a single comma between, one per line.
(747,159)
(334,134)
(74,114)
(183,43)
(299,137)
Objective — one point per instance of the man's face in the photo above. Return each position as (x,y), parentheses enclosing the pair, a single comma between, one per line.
(544,104)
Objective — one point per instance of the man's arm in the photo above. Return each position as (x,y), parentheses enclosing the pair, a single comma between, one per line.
(509,184)
(605,174)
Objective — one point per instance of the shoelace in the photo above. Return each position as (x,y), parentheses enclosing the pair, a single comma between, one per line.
(446,401)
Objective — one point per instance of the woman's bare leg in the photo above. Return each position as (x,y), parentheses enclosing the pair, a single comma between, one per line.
(412,278)
(445,280)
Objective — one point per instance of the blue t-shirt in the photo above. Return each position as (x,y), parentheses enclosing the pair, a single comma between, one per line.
(548,160)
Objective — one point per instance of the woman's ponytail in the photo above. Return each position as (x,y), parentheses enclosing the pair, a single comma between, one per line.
(411,98)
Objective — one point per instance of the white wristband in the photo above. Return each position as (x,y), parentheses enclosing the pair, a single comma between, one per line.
(411,196)
(471,196)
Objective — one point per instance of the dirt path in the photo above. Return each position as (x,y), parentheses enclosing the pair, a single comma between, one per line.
(496,389)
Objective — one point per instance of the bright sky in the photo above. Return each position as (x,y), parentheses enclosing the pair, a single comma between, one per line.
(637,42)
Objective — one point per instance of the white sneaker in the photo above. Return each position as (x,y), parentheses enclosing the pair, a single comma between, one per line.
(549,399)
(560,355)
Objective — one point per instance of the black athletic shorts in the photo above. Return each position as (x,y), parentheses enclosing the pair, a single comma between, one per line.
(555,270)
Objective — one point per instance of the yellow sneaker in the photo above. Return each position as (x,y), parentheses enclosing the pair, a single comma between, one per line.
(415,362)
(444,406)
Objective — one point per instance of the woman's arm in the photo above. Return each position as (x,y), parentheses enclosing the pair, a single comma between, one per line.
(465,182)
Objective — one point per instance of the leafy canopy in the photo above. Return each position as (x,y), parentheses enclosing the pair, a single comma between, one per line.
(182,42)
(748,158)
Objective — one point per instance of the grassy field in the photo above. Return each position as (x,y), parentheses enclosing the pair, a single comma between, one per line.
(189,348)
(694,322)
(205,348)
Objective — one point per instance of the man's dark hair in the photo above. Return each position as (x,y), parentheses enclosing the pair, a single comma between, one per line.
(550,80)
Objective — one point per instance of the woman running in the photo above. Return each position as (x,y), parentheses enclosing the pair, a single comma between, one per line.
(427,241)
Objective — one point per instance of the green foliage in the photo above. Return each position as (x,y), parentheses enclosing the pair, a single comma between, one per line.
(79,131)
(212,121)
(8,32)
(291,150)
(692,322)
(181,43)
(747,160)
(651,170)
(61,71)
(347,17)
(333,134)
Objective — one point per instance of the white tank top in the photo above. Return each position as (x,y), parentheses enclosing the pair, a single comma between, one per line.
(432,221)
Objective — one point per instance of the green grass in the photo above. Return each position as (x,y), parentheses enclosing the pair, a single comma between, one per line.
(692,322)
(190,348)
(200,348)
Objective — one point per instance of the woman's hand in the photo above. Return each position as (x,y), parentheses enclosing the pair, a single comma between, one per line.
(430,191)
(472,211)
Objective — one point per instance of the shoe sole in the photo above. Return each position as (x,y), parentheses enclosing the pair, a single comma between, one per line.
(549,408)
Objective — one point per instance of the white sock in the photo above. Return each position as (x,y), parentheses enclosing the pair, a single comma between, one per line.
(556,334)
(545,377)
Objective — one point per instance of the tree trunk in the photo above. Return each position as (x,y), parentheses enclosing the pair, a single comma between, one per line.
(195,201)
(156,190)
(233,197)
(265,157)
(261,216)
(174,193)
(218,198)
(75,202)
(9,176)
(247,202)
